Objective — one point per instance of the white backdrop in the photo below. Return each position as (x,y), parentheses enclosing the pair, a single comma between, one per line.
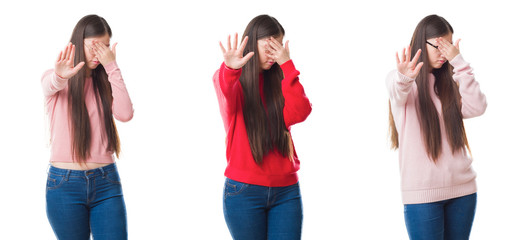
(173,153)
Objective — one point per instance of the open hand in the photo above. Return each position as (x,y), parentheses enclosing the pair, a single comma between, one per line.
(65,64)
(103,53)
(278,52)
(409,68)
(233,56)
(447,49)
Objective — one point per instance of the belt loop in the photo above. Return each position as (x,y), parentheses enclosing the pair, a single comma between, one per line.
(103,173)
(67,175)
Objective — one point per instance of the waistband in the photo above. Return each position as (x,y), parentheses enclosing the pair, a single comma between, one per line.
(82,173)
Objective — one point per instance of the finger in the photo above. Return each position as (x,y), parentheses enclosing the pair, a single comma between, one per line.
(269,48)
(78,67)
(64,52)
(101,46)
(97,51)
(408,57)
(417,55)
(444,42)
(113,48)
(228,42)
(443,50)
(243,44)
(403,54)
(274,44)
(247,57)
(71,56)
(59,57)
(287,46)
(96,47)
(457,44)
(398,60)
(67,52)
(222,47)
(235,42)
(417,69)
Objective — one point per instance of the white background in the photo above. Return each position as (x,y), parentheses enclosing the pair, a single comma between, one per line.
(173,153)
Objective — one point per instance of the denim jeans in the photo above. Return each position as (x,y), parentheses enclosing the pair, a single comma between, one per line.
(83,202)
(256,212)
(444,220)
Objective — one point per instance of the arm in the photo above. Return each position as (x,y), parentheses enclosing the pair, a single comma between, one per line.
(296,104)
(399,87)
(226,82)
(122,106)
(473,100)
(52,83)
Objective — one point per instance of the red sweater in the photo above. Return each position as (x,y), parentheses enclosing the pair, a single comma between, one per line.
(275,170)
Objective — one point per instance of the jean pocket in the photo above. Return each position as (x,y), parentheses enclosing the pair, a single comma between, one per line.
(54,181)
(112,177)
(232,188)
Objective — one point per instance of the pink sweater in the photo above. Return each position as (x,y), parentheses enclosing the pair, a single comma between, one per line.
(422,180)
(56,99)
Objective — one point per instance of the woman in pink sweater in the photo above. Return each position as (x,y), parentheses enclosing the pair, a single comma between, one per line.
(83,93)
(431,92)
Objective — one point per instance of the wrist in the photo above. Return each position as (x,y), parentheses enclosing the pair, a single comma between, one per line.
(282,61)
(60,75)
(231,67)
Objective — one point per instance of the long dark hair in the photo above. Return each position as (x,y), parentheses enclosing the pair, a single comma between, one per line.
(446,89)
(266,129)
(90,26)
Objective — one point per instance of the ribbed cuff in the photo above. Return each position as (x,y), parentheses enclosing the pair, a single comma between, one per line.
(457,61)
(403,79)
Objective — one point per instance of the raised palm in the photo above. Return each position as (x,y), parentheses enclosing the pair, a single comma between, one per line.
(407,67)
(65,64)
(233,56)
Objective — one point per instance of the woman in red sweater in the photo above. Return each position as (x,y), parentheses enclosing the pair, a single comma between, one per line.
(260,98)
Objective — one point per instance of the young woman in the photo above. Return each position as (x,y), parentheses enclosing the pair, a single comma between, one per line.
(430,93)
(260,98)
(83,93)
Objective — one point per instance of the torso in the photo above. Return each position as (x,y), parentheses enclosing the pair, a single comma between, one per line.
(78,166)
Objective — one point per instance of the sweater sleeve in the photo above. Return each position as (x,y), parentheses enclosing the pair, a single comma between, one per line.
(296,105)
(226,82)
(473,100)
(122,106)
(399,86)
(52,83)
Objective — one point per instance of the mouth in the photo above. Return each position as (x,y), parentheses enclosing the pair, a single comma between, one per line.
(441,61)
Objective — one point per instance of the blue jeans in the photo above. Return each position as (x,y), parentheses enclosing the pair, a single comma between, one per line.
(81,202)
(256,212)
(449,219)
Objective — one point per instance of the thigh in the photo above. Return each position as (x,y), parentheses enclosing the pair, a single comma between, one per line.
(459,215)
(108,217)
(244,210)
(425,221)
(285,215)
(66,207)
